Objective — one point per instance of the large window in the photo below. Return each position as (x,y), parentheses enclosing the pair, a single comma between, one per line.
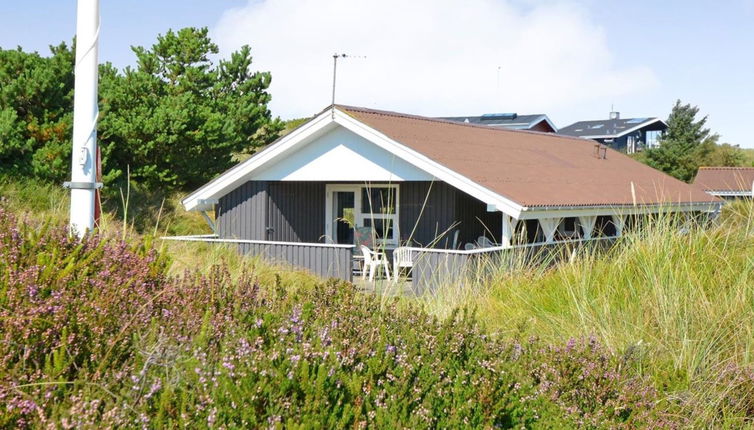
(378,210)
(378,200)
(653,138)
(630,145)
(356,212)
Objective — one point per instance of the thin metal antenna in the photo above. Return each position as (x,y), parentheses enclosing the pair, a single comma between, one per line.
(498,95)
(334,74)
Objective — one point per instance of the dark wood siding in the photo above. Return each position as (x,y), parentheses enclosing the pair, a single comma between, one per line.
(446,209)
(242,213)
(476,221)
(430,213)
(280,211)
(324,261)
(296,211)
(434,269)
(423,223)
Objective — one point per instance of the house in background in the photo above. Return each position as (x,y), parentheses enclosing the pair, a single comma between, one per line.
(627,135)
(429,184)
(726,182)
(533,122)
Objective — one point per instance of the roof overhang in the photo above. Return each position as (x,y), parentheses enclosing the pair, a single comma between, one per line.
(323,123)
(572,211)
(730,193)
(628,131)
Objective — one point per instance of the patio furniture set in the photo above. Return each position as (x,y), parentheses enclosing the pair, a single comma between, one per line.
(370,261)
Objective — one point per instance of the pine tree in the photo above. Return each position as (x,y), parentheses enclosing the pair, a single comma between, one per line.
(685,144)
(177,119)
(36,112)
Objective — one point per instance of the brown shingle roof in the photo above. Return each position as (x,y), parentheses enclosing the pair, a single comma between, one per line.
(725,178)
(531,168)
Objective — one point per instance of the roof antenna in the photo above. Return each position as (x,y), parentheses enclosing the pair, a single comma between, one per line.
(613,113)
(334,74)
(497,97)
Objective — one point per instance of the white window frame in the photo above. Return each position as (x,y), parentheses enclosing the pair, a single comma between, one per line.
(655,140)
(357,189)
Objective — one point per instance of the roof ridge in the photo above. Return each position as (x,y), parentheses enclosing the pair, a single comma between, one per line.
(455,123)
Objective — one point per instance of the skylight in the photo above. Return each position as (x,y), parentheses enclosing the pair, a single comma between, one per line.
(489,116)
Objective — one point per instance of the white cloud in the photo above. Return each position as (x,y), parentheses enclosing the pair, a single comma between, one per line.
(431,57)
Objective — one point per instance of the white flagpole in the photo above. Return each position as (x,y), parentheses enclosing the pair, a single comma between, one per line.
(85,111)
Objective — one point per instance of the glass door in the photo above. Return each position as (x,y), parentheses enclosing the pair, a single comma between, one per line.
(344,203)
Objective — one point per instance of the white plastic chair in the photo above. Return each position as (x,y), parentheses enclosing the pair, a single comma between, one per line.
(401,258)
(373,260)
(484,242)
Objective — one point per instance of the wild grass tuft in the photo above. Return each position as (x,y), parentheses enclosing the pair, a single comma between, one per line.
(678,298)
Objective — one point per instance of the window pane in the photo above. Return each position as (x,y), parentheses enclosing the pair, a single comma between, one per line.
(378,200)
(383,228)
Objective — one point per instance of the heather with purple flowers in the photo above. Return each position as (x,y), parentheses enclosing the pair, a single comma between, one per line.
(94,334)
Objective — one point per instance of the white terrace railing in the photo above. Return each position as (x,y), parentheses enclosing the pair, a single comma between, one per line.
(323,259)
(432,267)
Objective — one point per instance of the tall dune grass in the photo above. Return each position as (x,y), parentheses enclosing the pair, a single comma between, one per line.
(147,214)
(30,198)
(189,257)
(679,300)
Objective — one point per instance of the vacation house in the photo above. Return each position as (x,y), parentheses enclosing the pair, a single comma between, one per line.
(627,135)
(428,184)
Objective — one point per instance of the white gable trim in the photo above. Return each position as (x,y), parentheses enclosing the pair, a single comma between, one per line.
(236,176)
(204,197)
(546,119)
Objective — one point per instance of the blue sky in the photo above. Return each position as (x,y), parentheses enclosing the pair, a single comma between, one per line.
(569,59)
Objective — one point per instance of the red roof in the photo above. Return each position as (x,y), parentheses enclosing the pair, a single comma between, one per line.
(730,179)
(532,168)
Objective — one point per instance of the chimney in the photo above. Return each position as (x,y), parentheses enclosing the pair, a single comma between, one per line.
(600,151)
(614,115)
